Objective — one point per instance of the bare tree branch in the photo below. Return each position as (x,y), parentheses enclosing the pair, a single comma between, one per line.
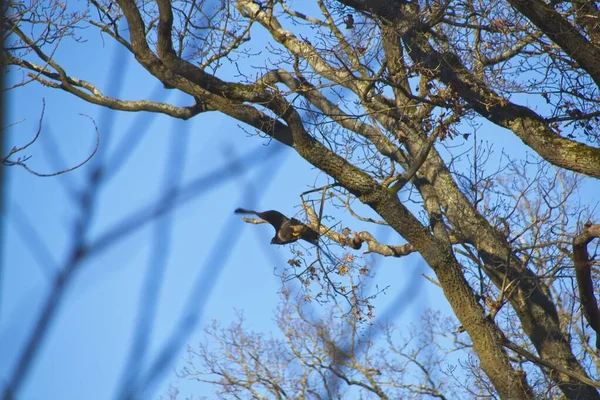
(583,273)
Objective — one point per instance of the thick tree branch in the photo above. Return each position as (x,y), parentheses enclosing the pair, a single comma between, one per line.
(525,123)
(232,91)
(557,28)
(550,365)
(583,274)
(448,68)
(316,98)
(436,253)
(531,301)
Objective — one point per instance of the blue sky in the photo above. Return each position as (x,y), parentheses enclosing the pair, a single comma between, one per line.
(89,342)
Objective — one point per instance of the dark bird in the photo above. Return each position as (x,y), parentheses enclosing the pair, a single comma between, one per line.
(349,20)
(287,230)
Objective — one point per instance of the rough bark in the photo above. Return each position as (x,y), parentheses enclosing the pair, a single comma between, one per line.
(557,28)
(531,300)
(583,273)
(525,123)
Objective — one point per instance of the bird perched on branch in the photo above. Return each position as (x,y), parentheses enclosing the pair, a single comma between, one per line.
(287,230)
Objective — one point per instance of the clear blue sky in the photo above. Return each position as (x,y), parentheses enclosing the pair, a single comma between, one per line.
(89,342)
